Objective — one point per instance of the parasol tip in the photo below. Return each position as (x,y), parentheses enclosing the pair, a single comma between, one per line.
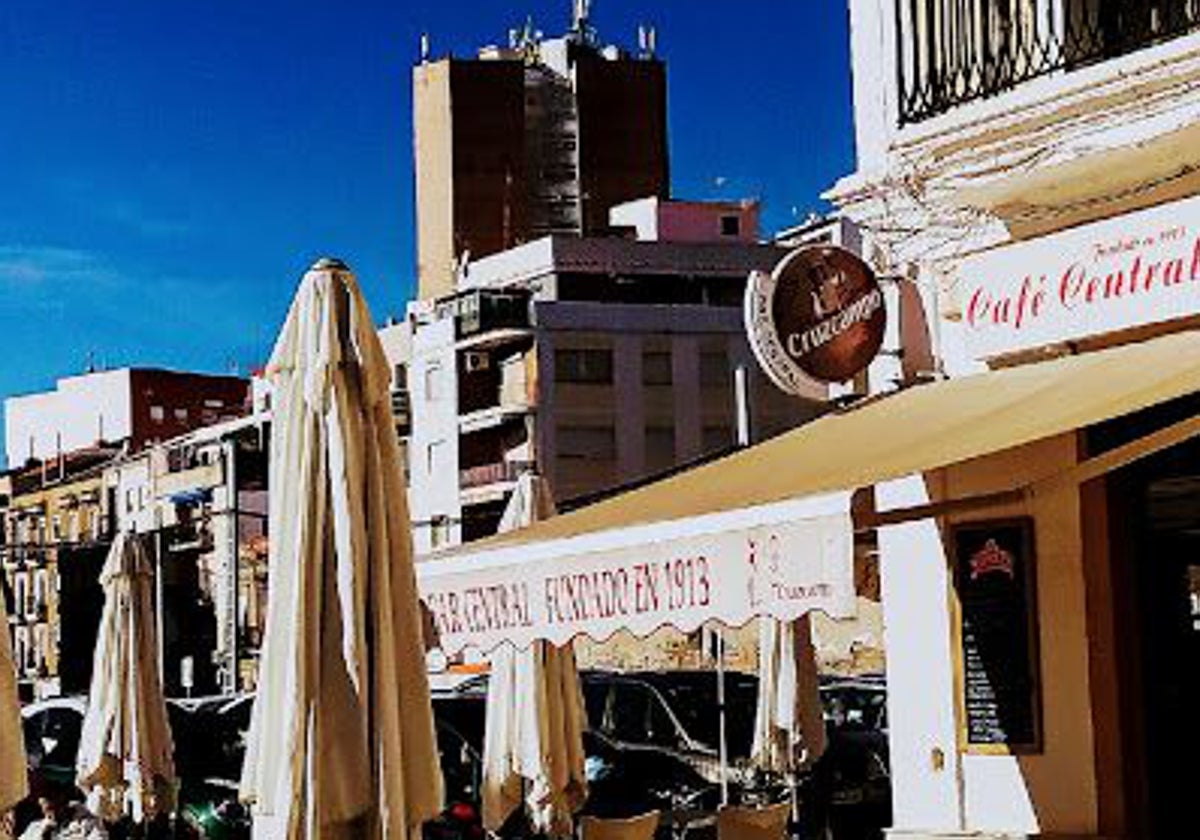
(329,264)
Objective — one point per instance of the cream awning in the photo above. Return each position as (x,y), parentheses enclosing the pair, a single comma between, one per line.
(917,430)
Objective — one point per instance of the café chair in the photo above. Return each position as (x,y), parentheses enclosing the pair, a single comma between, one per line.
(766,823)
(641,827)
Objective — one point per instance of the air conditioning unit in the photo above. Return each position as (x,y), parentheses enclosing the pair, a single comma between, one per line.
(474,361)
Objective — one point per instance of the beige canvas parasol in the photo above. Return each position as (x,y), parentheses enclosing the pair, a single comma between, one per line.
(789,730)
(533,741)
(125,763)
(341,742)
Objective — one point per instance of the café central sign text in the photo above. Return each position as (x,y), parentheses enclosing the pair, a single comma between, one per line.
(1130,271)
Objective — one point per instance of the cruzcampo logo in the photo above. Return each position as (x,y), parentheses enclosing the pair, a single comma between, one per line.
(819,315)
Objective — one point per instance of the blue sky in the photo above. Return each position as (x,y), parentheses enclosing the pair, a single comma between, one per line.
(170,168)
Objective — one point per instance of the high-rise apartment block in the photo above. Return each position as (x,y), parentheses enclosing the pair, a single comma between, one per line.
(538,138)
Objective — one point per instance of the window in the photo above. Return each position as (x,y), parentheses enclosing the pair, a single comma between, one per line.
(656,367)
(716,438)
(731,226)
(439,531)
(157,413)
(596,443)
(400,377)
(593,366)
(435,454)
(433,383)
(714,369)
(637,716)
(20,593)
(214,403)
(181,414)
(40,589)
(660,448)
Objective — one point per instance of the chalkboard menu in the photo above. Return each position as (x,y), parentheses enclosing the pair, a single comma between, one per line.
(999,680)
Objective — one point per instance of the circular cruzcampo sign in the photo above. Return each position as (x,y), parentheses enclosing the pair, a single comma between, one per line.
(819,315)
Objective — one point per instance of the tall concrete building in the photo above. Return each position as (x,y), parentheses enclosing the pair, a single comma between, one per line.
(541,137)
(600,361)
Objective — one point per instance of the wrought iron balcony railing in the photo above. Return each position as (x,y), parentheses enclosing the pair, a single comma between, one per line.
(952,52)
(492,473)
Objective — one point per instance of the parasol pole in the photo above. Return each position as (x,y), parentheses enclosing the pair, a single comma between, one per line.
(722,746)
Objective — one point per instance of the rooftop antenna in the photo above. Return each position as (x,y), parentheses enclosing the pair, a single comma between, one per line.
(424,46)
(580,16)
(581,24)
(528,41)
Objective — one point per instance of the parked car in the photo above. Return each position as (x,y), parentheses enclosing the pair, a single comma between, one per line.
(670,711)
(676,711)
(210,745)
(622,781)
(849,790)
(51,729)
(209,735)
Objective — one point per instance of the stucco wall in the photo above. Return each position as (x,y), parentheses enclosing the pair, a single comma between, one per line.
(1053,791)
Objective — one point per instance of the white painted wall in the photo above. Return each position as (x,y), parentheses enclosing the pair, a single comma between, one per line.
(926,794)
(434,492)
(80,411)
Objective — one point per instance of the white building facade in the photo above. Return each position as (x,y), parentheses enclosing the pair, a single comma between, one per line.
(1021,162)
(599,362)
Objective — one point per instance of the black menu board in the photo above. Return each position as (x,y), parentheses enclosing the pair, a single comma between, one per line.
(999,680)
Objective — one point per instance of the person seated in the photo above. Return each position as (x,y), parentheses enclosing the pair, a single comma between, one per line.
(63,817)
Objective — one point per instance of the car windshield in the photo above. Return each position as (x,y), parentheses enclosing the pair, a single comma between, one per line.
(693,699)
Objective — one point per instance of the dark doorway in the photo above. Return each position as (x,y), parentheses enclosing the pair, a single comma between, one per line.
(1154,521)
(1167,586)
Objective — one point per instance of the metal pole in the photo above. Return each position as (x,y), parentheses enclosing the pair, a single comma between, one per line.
(741,400)
(723,755)
(159,599)
(232,503)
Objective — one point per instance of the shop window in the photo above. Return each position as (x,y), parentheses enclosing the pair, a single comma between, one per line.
(584,366)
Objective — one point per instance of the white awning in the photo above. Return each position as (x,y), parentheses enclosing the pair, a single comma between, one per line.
(782,560)
(695,546)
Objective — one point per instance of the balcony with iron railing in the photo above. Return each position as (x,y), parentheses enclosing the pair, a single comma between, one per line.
(501,472)
(951,52)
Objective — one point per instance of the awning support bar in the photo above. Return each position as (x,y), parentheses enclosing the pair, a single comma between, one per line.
(1092,468)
